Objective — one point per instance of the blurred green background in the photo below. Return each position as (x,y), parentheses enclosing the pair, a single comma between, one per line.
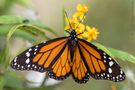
(114,19)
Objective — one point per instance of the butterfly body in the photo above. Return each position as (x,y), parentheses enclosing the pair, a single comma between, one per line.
(69,55)
(72,41)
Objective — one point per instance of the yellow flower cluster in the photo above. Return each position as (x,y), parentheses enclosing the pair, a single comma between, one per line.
(76,23)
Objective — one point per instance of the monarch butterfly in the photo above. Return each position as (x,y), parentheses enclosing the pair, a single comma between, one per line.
(69,55)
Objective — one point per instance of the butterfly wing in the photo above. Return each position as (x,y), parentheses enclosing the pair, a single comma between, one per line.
(51,56)
(99,64)
(90,61)
(79,70)
(61,69)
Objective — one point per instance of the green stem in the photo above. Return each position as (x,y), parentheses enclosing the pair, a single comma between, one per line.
(44,80)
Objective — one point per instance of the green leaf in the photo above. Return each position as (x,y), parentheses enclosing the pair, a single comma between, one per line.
(104,48)
(6,6)
(120,86)
(13,81)
(117,53)
(8,19)
(4,29)
(2,82)
(24,2)
(122,55)
(13,29)
(32,30)
(4,58)
(28,28)
(43,26)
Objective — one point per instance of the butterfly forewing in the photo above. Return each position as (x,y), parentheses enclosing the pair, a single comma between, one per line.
(41,56)
(100,64)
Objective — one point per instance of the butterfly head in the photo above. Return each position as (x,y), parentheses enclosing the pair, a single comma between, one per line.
(73,33)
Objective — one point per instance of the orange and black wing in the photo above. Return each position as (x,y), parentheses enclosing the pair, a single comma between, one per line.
(95,63)
(52,56)
(80,72)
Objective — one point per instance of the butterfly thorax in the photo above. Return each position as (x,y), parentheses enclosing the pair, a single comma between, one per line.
(72,42)
(72,38)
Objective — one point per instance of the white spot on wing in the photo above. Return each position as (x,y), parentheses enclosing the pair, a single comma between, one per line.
(36,46)
(111,63)
(30,49)
(34,53)
(113,78)
(44,42)
(35,67)
(35,49)
(121,71)
(110,58)
(27,60)
(27,54)
(15,64)
(120,75)
(15,59)
(117,77)
(28,66)
(109,70)
(104,57)
(108,75)
(104,61)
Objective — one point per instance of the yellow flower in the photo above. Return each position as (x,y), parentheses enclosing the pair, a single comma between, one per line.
(76,23)
(67,28)
(82,8)
(73,22)
(91,33)
(79,15)
(80,28)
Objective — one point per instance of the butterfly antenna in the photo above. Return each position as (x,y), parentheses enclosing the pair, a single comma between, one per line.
(81,21)
(68,19)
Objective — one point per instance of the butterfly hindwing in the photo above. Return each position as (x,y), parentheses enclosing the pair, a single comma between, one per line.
(79,69)
(40,56)
(99,64)
(61,68)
